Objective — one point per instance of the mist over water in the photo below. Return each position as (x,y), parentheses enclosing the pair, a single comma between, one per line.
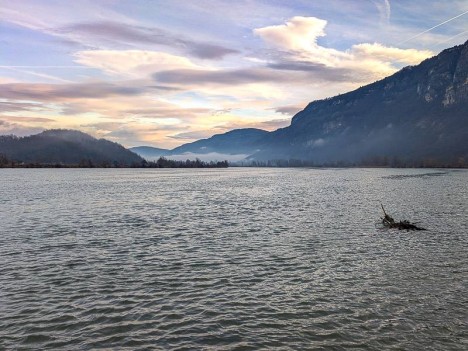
(232,259)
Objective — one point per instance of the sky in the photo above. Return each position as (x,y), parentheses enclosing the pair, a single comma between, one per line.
(167,72)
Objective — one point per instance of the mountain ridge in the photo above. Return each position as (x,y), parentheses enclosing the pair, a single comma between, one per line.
(234,142)
(242,141)
(417,113)
(149,152)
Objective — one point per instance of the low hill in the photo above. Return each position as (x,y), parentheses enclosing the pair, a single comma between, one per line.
(67,147)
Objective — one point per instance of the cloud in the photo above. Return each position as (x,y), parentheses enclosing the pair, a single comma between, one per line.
(15,106)
(131,133)
(109,30)
(176,74)
(289,110)
(297,34)
(57,92)
(27,119)
(216,77)
(319,72)
(293,65)
(132,35)
(166,111)
(121,32)
(304,66)
(210,51)
(379,52)
(297,47)
(105,126)
(134,63)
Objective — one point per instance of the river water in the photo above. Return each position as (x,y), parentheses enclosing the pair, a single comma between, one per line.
(232,259)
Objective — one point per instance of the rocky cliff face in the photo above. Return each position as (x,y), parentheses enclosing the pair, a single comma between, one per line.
(420,112)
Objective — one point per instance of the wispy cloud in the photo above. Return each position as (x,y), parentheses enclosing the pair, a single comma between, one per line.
(132,35)
(27,119)
(132,63)
(15,106)
(57,92)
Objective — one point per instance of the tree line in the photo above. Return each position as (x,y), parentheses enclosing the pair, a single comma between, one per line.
(162,162)
(371,162)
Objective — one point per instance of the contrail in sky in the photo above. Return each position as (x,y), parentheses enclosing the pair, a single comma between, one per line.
(446,40)
(384,9)
(387,9)
(80,67)
(428,30)
(42,75)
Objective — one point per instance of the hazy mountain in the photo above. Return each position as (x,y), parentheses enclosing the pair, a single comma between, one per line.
(419,113)
(149,152)
(69,147)
(237,141)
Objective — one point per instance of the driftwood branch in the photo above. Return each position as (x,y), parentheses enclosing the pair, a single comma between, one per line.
(389,222)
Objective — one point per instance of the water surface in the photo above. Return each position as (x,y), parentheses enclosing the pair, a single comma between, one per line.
(232,259)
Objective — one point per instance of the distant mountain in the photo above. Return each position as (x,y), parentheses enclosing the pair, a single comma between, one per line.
(418,114)
(237,141)
(149,152)
(68,147)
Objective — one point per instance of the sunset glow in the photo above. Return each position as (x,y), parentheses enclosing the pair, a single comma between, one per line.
(164,73)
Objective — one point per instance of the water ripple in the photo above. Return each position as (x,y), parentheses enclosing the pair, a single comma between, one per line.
(238,259)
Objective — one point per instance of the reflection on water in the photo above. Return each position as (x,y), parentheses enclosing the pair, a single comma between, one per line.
(416,175)
(232,259)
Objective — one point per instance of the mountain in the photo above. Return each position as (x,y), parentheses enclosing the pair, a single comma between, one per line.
(419,115)
(416,117)
(68,147)
(149,152)
(237,141)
